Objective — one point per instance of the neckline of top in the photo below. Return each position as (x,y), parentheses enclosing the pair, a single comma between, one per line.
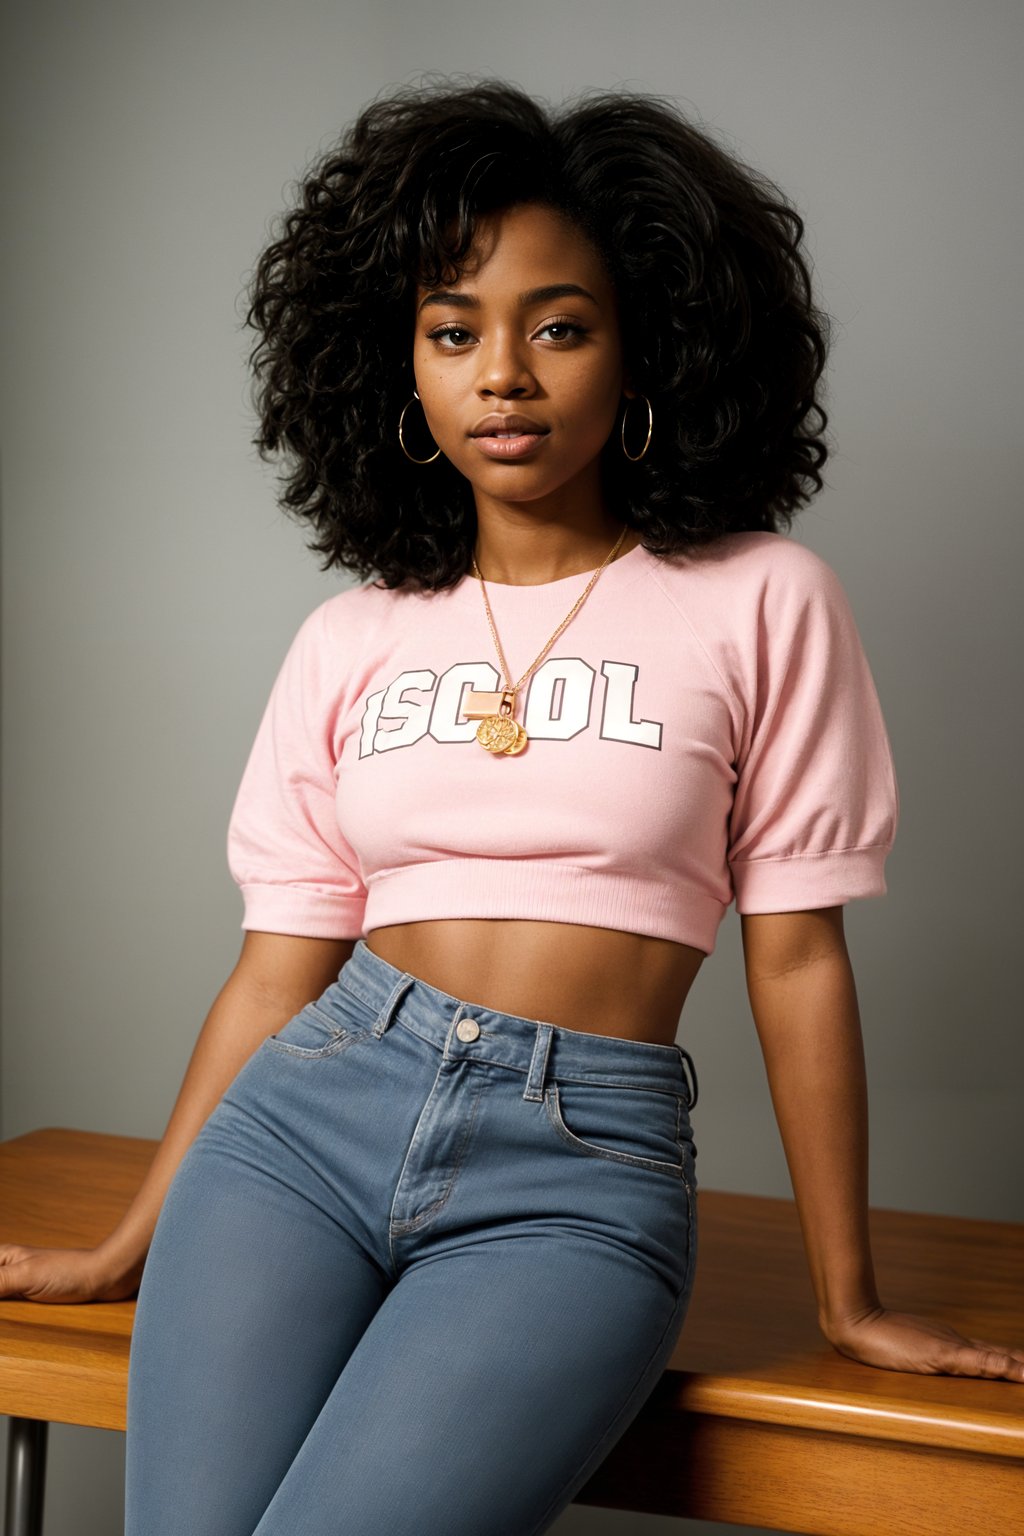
(524,592)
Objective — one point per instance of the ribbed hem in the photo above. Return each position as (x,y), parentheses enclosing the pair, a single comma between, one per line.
(806,881)
(302,913)
(544,892)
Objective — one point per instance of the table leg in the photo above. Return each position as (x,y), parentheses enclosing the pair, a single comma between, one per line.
(26,1476)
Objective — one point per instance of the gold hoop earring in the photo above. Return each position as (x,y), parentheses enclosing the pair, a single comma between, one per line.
(401,439)
(635,457)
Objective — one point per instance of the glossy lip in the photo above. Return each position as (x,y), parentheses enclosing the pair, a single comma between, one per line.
(527,435)
(507,421)
(509,447)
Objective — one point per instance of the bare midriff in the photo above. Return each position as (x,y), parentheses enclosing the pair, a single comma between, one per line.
(598,980)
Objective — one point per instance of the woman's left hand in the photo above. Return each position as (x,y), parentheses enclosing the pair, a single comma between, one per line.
(901,1341)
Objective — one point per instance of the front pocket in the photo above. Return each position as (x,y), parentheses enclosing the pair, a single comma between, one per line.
(311,1035)
(638,1126)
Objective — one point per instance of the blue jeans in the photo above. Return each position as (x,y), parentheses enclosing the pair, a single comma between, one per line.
(417,1274)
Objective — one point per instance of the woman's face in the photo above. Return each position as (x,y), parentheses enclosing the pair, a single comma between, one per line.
(528,335)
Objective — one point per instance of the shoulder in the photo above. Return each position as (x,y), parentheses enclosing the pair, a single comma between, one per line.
(349,616)
(753,584)
(757,589)
(326,649)
(755,561)
(758,603)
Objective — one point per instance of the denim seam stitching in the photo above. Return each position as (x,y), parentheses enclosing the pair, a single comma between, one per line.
(403,1228)
(326,1017)
(511,1066)
(691,1234)
(413,1223)
(320,1053)
(632,1159)
(340,1040)
(605,1082)
(371,1007)
(679,1142)
(656,1045)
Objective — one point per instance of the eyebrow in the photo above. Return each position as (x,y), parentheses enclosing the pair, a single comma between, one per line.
(446,297)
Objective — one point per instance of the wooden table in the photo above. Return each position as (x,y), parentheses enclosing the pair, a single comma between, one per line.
(757,1420)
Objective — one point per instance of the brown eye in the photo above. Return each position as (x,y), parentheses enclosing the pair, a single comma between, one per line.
(568,330)
(455,331)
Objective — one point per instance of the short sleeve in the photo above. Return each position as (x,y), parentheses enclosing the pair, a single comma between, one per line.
(296,872)
(816,803)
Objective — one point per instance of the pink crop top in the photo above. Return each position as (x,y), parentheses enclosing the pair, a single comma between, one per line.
(706,729)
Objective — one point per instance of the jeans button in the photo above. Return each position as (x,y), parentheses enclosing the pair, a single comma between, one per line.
(467,1029)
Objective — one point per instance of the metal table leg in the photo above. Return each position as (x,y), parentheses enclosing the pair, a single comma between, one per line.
(26,1477)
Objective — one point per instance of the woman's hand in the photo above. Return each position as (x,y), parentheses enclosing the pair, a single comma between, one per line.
(64,1274)
(901,1341)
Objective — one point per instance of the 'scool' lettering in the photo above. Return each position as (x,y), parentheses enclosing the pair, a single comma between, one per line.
(561,698)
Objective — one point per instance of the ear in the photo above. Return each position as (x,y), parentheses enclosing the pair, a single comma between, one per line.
(628,388)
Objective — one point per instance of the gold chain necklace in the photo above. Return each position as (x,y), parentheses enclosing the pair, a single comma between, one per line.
(498,731)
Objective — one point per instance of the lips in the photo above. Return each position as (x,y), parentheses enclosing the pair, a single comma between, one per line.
(508,435)
(508,424)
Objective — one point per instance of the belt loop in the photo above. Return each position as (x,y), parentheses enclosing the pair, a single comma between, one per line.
(684,1058)
(389,1009)
(539,1063)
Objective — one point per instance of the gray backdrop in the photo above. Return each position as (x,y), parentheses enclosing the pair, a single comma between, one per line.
(151,585)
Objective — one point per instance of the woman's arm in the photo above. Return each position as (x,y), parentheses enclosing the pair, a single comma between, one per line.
(275,977)
(804,1002)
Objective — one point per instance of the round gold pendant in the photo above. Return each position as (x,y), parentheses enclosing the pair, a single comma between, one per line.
(497,733)
(518,745)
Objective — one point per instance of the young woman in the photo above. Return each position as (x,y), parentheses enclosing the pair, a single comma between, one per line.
(427,1216)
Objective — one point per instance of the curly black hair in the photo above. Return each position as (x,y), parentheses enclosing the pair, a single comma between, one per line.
(720,329)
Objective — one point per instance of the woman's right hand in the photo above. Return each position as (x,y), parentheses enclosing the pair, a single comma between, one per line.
(64,1274)
(276,976)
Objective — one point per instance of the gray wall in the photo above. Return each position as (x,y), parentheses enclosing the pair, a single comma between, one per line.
(151,585)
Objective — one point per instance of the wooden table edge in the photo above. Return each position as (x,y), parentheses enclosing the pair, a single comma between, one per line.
(865,1418)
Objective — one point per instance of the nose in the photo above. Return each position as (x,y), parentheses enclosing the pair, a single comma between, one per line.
(504,369)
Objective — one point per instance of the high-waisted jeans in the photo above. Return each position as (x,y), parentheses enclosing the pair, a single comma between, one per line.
(416,1275)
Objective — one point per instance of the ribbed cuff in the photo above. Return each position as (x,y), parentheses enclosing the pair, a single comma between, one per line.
(809,880)
(303,913)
